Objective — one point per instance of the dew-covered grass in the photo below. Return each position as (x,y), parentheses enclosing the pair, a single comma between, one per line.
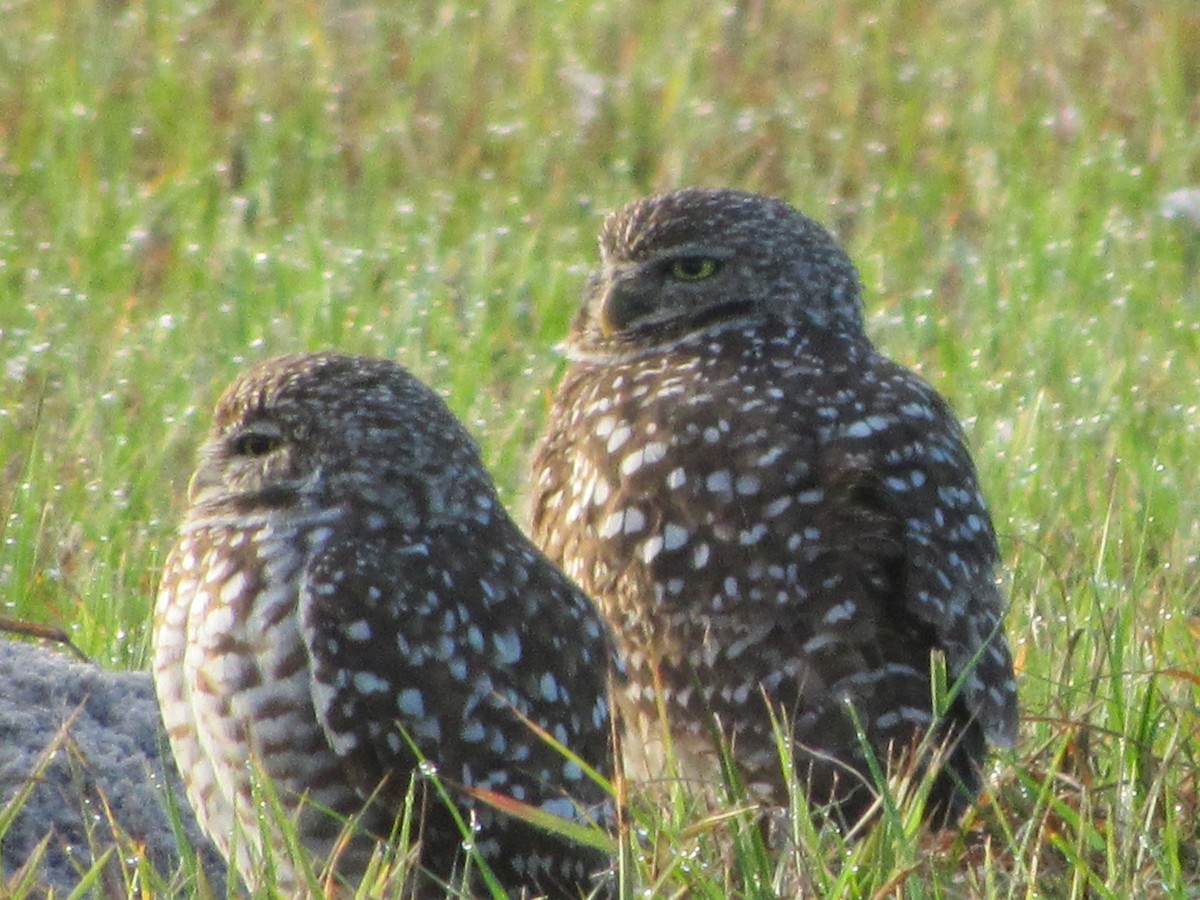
(186,187)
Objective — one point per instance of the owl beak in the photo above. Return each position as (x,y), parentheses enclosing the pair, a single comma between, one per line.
(604,314)
(622,302)
(197,485)
(206,477)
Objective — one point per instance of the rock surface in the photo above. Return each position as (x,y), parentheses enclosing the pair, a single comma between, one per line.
(112,775)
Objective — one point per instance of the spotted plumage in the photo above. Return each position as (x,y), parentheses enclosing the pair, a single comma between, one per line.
(346,582)
(776,519)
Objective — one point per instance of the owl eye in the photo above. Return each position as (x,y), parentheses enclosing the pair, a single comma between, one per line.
(255,443)
(694,268)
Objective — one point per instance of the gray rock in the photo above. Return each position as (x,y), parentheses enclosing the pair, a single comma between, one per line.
(114,761)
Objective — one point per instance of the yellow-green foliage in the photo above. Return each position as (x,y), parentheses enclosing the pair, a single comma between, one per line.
(187,186)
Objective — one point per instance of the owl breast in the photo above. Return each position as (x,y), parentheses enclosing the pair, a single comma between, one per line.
(228,642)
(704,503)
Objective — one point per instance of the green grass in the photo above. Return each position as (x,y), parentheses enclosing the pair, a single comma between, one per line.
(188,187)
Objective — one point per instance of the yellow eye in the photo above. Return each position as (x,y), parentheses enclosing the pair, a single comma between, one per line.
(255,443)
(694,268)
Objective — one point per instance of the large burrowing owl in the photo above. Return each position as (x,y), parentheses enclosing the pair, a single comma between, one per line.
(346,597)
(778,521)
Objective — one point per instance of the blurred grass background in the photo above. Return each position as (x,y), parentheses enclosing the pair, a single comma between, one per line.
(187,187)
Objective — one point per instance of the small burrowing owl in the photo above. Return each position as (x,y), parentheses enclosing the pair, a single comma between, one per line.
(778,522)
(348,607)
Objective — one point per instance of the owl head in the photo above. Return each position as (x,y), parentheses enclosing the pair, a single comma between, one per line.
(695,261)
(321,429)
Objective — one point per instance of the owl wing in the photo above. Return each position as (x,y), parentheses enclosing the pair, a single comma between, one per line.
(949,582)
(374,614)
(927,483)
(442,648)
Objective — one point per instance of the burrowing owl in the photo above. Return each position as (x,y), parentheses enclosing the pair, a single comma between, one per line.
(347,587)
(776,519)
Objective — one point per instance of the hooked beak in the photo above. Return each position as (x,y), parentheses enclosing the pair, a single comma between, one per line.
(203,480)
(622,303)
